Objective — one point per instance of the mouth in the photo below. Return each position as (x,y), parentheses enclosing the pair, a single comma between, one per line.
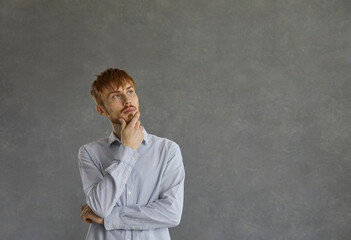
(129,110)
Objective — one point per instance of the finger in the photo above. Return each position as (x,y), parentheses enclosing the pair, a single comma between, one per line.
(135,119)
(86,220)
(82,214)
(92,217)
(123,123)
(84,211)
(137,125)
(96,219)
(86,216)
(83,206)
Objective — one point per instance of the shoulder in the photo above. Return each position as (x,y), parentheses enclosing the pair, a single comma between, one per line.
(169,150)
(93,147)
(163,143)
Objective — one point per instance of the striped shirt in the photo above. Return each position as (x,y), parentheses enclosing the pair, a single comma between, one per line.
(139,193)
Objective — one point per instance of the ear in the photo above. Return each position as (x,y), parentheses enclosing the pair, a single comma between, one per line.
(100,110)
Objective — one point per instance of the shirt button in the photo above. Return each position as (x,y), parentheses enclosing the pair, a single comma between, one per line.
(111,226)
(133,158)
(132,227)
(129,192)
(128,239)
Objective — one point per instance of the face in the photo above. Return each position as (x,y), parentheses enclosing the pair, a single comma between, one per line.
(119,103)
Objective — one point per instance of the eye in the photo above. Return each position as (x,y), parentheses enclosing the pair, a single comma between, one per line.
(116,96)
(130,91)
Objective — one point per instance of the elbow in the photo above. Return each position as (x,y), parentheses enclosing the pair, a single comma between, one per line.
(175,217)
(175,212)
(175,221)
(99,209)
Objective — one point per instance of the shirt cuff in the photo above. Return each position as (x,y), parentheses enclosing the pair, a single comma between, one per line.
(126,155)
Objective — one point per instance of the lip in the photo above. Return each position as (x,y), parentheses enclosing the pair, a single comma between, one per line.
(129,110)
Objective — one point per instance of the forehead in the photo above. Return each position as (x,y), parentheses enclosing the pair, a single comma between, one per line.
(115,88)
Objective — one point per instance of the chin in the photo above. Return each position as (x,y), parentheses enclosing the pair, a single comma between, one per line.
(130,116)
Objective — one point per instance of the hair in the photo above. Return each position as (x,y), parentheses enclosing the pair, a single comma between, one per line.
(111,78)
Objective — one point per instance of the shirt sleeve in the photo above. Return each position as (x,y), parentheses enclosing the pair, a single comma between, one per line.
(164,212)
(103,188)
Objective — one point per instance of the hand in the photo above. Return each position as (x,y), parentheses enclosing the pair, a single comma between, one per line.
(132,134)
(88,216)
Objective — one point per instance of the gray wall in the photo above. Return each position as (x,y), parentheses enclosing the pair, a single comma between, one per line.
(256,93)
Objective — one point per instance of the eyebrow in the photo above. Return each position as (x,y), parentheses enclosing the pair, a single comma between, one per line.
(119,91)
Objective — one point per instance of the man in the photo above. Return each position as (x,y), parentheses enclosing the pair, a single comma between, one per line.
(133,180)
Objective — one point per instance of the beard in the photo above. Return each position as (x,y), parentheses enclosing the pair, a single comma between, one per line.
(129,117)
(126,117)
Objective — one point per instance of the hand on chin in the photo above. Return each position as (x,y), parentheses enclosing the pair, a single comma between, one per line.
(129,117)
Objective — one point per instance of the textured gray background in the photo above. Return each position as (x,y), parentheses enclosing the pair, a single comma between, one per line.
(256,93)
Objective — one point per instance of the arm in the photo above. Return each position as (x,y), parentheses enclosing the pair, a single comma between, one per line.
(102,192)
(164,212)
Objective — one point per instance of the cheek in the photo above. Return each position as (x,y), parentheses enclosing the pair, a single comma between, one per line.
(116,107)
(136,101)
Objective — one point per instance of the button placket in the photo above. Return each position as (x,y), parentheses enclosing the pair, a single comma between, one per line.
(128,235)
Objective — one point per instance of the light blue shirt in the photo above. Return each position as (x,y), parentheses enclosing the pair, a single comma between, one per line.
(139,193)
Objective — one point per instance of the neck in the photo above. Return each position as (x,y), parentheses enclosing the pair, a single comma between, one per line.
(117,130)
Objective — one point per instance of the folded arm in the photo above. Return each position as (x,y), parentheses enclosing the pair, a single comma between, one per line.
(164,212)
(103,189)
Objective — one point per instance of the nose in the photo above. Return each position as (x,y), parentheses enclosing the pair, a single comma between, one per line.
(127,101)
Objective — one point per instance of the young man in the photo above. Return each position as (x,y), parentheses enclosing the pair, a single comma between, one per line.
(133,180)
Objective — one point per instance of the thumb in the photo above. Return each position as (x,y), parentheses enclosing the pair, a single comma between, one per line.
(123,123)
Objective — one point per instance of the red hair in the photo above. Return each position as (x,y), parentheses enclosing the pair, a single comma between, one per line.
(111,78)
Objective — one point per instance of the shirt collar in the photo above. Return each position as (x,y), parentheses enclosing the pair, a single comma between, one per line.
(113,138)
